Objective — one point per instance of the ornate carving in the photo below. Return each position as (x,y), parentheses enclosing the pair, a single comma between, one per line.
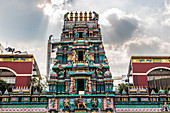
(66,103)
(79,103)
(74,56)
(94,103)
(72,85)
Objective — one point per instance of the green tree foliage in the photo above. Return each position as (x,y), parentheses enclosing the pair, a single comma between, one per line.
(123,86)
(3,85)
(39,83)
(165,89)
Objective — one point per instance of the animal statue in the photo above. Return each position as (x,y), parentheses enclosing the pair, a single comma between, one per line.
(79,103)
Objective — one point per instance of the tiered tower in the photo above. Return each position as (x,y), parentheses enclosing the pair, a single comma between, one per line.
(81,80)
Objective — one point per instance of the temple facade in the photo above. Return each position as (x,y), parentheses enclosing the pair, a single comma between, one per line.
(81,80)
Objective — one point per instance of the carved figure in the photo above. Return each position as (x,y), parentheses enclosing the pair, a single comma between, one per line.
(61,73)
(66,103)
(79,103)
(94,103)
(76,34)
(74,56)
(66,16)
(72,84)
(165,107)
(99,73)
(89,85)
(52,102)
(108,103)
(85,33)
(86,56)
(55,61)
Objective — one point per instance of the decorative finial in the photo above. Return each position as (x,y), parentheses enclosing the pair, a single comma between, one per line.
(81,16)
(90,15)
(76,16)
(71,16)
(85,16)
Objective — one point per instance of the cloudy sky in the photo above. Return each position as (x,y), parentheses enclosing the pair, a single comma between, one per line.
(129,27)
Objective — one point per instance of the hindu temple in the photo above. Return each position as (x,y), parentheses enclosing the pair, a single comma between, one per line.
(81,80)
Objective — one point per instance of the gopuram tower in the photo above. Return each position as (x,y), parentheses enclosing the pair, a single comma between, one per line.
(81,80)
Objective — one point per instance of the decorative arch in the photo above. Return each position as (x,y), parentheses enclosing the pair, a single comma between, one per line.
(9,70)
(160,67)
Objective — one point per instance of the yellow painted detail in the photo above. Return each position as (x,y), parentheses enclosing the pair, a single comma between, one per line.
(150,60)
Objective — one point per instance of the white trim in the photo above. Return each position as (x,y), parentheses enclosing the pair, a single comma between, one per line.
(161,67)
(139,74)
(9,69)
(15,72)
(24,75)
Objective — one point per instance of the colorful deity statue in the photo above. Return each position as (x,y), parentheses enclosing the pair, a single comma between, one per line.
(85,33)
(86,56)
(72,85)
(61,73)
(94,103)
(108,103)
(55,62)
(66,103)
(53,102)
(89,84)
(99,73)
(76,34)
(165,107)
(74,56)
(66,16)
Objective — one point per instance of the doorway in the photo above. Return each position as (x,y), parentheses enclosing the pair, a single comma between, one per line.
(80,55)
(80,85)
(80,34)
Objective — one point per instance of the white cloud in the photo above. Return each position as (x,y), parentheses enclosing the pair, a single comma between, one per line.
(119,58)
(54,9)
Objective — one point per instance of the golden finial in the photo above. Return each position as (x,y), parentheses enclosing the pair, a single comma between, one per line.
(81,16)
(76,16)
(90,15)
(85,16)
(71,16)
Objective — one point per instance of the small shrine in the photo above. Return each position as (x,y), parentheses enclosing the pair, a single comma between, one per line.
(81,80)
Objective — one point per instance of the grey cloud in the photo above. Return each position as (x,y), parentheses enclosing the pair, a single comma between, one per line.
(22,21)
(119,29)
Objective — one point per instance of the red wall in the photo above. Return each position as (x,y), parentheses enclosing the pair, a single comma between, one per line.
(141,80)
(18,67)
(144,67)
(22,81)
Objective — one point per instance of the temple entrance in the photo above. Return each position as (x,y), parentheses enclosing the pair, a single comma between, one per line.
(80,55)
(158,78)
(80,85)
(80,34)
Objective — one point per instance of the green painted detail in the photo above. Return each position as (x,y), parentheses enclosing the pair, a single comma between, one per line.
(157,60)
(138,106)
(93,95)
(24,106)
(67,42)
